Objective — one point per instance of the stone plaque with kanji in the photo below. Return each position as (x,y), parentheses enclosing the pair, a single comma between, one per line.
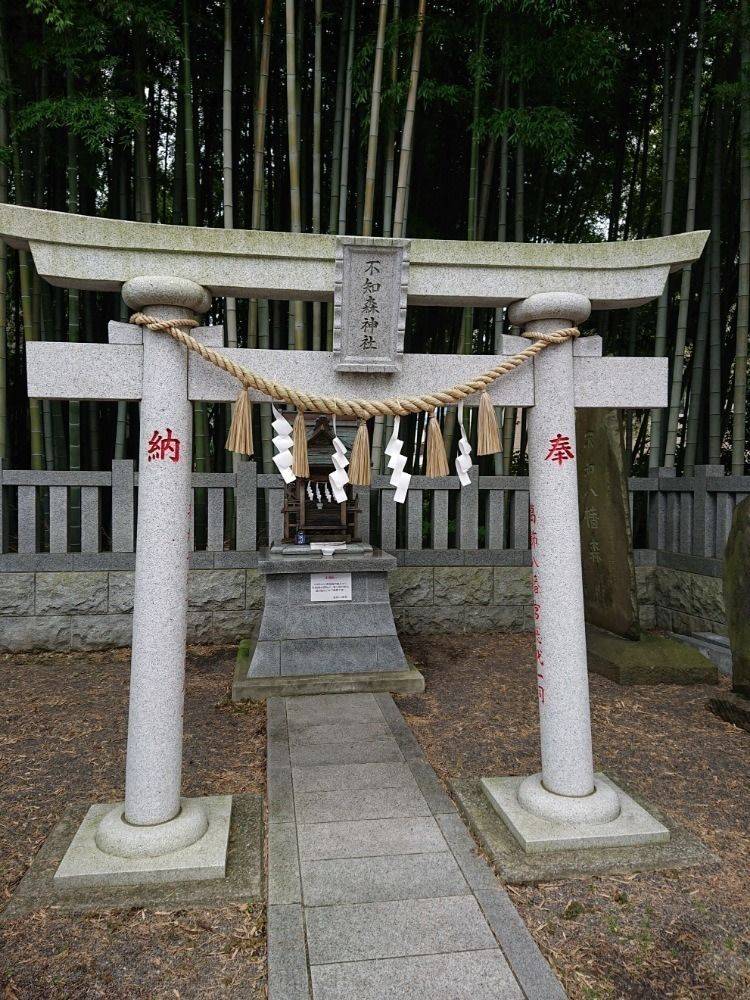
(369,304)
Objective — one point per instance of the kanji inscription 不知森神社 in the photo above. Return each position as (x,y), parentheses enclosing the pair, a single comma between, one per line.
(369,304)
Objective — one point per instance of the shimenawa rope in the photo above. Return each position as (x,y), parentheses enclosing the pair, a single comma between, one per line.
(361,408)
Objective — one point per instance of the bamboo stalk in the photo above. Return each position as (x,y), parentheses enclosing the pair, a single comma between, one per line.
(675,396)
(226,150)
(696,376)
(743,281)
(671,135)
(372,141)
(714,374)
(407,134)
(346,126)
(317,159)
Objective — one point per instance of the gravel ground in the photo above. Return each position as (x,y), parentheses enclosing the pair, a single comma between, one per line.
(62,736)
(681,934)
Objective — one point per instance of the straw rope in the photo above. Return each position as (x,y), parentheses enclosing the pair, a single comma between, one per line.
(361,408)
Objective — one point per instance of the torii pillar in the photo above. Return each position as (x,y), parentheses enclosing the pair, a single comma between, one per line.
(156,834)
(566,805)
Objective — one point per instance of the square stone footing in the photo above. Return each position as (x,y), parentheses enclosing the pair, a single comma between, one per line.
(85,865)
(260,688)
(634,826)
(519,867)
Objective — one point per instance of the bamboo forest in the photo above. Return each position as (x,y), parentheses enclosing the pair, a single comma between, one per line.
(492,120)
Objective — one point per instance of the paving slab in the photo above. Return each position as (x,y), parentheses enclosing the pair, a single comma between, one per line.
(369,880)
(284,884)
(345,777)
(322,709)
(364,752)
(354,932)
(331,732)
(287,958)
(474,975)
(366,803)
(369,838)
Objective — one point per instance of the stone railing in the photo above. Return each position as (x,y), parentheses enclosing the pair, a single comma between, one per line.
(463,553)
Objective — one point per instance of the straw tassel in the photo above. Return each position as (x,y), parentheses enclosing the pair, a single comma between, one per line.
(488,436)
(240,437)
(437,460)
(300,466)
(359,466)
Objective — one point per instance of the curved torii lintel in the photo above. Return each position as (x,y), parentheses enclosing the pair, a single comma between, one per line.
(97,253)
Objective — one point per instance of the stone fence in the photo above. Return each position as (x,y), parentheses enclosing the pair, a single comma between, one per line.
(67,552)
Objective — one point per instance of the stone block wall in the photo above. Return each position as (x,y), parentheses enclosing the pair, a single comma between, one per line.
(688,602)
(461,598)
(92,610)
(86,610)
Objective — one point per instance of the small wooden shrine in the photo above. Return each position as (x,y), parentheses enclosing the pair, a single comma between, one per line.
(309,505)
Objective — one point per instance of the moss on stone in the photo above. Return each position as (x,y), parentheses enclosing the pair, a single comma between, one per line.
(652,659)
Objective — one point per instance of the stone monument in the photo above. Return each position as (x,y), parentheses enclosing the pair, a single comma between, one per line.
(609,585)
(173,271)
(617,646)
(737,596)
(735,707)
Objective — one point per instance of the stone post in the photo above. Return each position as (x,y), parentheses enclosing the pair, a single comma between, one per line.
(155,820)
(565,791)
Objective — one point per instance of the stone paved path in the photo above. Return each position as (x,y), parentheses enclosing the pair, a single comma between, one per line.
(375,890)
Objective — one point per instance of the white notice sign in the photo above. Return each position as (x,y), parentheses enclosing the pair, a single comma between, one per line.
(330,587)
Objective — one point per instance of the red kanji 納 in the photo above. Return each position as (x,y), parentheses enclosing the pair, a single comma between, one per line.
(161,447)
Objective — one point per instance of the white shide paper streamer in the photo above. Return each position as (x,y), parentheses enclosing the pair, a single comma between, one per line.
(397,462)
(463,457)
(339,477)
(283,442)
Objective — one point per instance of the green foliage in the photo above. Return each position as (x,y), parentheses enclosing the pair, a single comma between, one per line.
(548,129)
(547,12)
(95,120)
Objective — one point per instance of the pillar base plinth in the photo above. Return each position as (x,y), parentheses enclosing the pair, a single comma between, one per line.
(570,831)
(601,806)
(106,850)
(115,835)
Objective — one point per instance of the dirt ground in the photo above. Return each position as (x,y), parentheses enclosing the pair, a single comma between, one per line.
(669,934)
(62,737)
(679,934)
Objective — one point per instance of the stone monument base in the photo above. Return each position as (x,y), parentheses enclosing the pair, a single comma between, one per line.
(84,864)
(732,707)
(652,659)
(632,827)
(245,688)
(327,627)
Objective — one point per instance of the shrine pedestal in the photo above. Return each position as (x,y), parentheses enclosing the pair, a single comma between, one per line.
(327,627)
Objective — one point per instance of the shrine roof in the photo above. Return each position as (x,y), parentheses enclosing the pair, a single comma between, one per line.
(98,253)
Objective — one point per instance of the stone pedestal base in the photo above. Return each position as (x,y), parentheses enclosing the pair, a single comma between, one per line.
(327,627)
(85,863)
(633,826)
(652,659)
(246,687)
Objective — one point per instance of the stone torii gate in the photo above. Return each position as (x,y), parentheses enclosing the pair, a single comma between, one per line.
(172,272)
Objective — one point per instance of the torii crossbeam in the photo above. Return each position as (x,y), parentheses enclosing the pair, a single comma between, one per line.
(171,272)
